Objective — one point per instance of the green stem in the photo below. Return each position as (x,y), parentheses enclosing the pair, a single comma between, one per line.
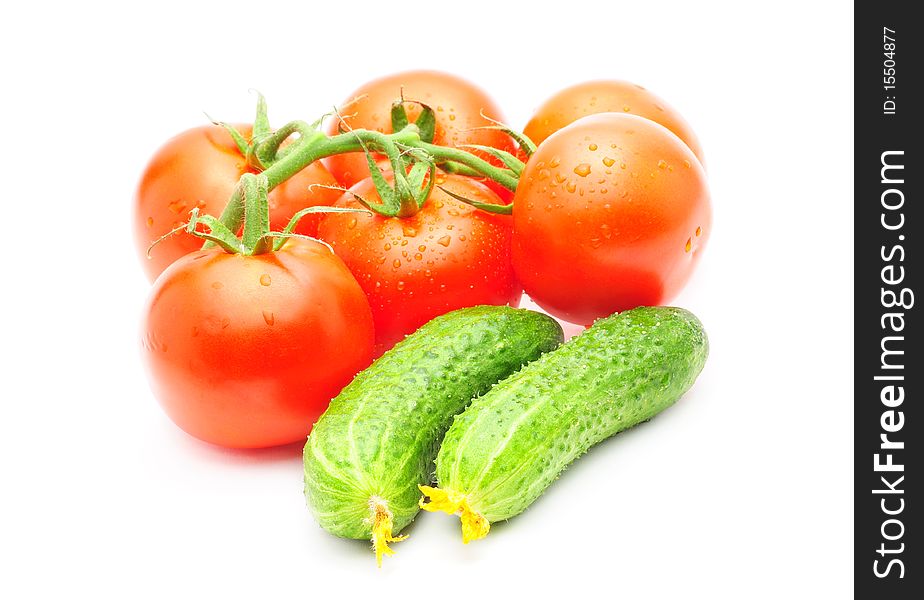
(313,145)
(256,213)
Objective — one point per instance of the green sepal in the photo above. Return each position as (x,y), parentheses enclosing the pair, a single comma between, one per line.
(420,172)
(218,233)
(415,179)
(261,123)
(497,209)
(293,222)
(388,196)
(426,122)
(281,239)
(240,141)
(399,118)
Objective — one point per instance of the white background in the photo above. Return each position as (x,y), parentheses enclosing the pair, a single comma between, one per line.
(742,490)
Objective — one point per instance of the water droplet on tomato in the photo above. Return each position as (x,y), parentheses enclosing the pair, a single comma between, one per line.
(418,256)
(177,206)
(688,246)
(351,223)
(554,162)
(269,317)
(150,221)
(396,263)
(595,242)
(444,241)
(662,164)
(408,231)
(571,186)
(387,246)
(217,285)
(608,161)
(544,174)
(687,164)
(265,279)
(699,231)
(592,147)
(225,322)
(582,169)
(400,285)
(626,108)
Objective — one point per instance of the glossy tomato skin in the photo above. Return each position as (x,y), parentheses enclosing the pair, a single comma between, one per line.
(200,168)
(594,97)
(611,212)
(458,106)
(447,256)
(247,352)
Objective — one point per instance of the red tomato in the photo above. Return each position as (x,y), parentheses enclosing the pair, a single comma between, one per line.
(447,256)
(611,212)
(595,97)
(247,351)
(200,168)
(458,106)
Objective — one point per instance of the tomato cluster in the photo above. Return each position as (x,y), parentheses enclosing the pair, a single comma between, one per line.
(611,211)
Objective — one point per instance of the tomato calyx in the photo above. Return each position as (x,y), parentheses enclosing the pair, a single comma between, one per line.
(426,122)
(260,130)
(256,236)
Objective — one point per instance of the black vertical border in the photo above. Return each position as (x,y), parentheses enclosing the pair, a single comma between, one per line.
(876,133)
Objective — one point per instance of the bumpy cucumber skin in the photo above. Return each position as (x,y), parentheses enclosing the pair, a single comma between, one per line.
(380,435)
(510,444)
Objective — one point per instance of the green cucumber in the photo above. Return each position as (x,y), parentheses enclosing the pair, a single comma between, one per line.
(510,444)
(376,442)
